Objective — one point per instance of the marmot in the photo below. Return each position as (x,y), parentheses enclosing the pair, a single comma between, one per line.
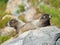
(20,28)
(13,23)
(44,20)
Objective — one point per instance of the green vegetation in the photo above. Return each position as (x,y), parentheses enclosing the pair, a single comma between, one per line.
(2,8)
(3,5)
(21,8)
(2,13)
(22,18)
(4,38)
(53,3)
(34,2)
(52,11)
(4,22)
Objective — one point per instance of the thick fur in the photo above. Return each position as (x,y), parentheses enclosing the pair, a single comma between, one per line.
(45,20)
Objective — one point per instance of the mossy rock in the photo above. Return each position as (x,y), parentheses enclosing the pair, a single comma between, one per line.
(22,18)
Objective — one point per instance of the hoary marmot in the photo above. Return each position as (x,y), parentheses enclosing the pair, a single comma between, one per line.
(43,21)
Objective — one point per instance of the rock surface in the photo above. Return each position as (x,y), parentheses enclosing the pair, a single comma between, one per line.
(15,5)
(7,31)
(29,12)
(39,36)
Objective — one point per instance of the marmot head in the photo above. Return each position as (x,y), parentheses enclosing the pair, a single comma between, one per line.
(45,17)
(45,20)
(13,23)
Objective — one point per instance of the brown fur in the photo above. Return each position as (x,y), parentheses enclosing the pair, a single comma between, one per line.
(45,20)
(14,23)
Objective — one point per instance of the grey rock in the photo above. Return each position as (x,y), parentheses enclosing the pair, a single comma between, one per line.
(7,31)
(15,6)
(41,36)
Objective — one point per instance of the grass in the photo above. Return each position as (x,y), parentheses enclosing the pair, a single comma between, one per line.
(4,22)
(4,38)
(52,11)
(21,9)
(3,5)
(2,13)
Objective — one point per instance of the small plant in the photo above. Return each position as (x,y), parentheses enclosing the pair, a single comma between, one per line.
(21,8)
(22,18)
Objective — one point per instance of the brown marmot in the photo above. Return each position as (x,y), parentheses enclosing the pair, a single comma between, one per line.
(13,23)
(44,20)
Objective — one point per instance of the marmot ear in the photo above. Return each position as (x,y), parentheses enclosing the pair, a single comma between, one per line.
(50,16)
